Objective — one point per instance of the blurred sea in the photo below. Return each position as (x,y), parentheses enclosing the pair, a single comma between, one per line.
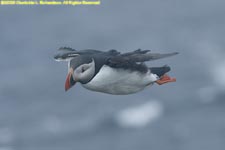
(36,113)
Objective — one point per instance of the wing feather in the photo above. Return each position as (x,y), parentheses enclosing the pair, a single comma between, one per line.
(141,56)
(135,60)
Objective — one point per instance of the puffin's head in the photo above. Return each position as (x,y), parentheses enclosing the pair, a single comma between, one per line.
(81,70)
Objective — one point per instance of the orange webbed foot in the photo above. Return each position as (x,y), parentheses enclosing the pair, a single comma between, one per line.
(165,79)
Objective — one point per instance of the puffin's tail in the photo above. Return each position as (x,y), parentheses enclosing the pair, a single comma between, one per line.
(160,71)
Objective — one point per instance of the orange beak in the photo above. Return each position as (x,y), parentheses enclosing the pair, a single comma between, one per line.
(69,80)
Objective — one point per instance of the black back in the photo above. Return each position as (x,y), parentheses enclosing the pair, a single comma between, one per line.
(133,61)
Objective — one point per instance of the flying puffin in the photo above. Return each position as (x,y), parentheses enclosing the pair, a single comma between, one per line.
(113,72)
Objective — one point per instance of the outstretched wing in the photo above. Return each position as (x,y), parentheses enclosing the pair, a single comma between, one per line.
(149,56)
(135,60)
(66,53)
(139,56)
(76,57)
(130,60)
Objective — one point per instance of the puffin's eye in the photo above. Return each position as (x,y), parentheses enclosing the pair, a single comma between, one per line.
(82,69)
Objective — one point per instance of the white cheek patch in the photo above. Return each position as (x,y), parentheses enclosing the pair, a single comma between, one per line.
(85,72)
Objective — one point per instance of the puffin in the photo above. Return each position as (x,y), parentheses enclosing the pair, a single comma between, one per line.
(113,72)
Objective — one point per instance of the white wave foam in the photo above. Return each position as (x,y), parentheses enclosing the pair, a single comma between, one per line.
(219,74)
(139,116)
(213,57)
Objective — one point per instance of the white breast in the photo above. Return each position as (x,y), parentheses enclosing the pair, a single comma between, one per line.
(120,81)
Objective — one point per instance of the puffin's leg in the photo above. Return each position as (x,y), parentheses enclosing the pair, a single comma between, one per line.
(165,79)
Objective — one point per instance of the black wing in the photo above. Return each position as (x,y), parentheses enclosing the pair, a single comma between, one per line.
(66,53)
(135,60)
(139,56)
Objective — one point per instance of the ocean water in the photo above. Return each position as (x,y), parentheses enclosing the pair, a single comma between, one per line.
(36,113)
